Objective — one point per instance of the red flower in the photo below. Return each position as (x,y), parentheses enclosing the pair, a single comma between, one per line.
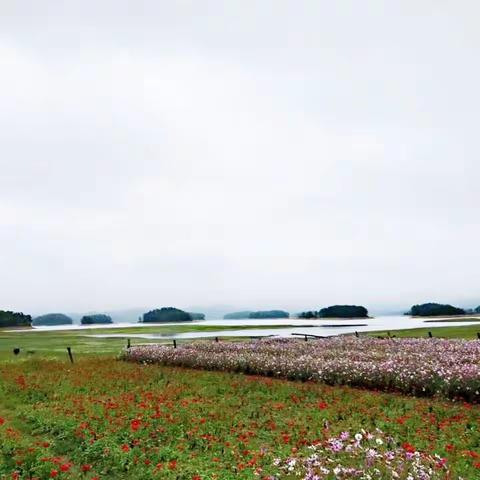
(65,467)
(86,468)
(409,448)
(2,421)
(135,425)
(322,405)
(472,454)
(53,473)
(125,448)
(172,465)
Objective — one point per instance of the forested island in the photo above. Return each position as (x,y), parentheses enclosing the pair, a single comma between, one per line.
(14,319)
(166,314)
(197,316)
(269,314)
(434,310)
(50,319)
(96,318)
(337,311)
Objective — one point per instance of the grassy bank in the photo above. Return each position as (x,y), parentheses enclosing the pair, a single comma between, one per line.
(468,332)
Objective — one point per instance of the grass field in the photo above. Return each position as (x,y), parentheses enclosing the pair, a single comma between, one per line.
(52,344)
(468,332)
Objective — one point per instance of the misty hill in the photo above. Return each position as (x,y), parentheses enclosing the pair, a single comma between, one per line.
(166,314)
(269,314)
(237,315)
(52,319)
(434,309)
(94,319)
(197,316)
(14,319)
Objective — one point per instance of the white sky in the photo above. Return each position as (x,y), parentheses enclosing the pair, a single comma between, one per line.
(283,154)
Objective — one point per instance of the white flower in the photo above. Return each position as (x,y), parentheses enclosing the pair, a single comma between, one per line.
(358,437)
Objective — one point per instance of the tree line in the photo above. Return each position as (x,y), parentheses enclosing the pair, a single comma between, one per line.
(170,314)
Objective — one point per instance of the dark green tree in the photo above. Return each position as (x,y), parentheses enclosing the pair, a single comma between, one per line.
(343,311)
(14,319)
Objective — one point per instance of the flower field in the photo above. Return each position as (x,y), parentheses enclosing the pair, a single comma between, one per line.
(422,367)
(102,418)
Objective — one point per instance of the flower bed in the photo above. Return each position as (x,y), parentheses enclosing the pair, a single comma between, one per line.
(422,367)
(102,419)
(365,456)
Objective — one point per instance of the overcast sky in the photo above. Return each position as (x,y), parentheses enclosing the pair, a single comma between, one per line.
(257,154)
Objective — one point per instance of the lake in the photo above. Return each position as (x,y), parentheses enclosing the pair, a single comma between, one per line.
(323,327)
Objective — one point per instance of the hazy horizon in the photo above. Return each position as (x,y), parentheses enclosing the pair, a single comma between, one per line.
(271,155)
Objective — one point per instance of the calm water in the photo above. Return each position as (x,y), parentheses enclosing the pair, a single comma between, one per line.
(325,327)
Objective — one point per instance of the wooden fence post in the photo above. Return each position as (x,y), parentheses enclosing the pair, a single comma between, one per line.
(356,334)
(174,343)
(69,350)
(478,335)
(430,335)
(216,339)
(128,343)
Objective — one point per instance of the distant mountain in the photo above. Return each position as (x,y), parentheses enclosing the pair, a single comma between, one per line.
(237,315)
(213,312)
(266,314)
